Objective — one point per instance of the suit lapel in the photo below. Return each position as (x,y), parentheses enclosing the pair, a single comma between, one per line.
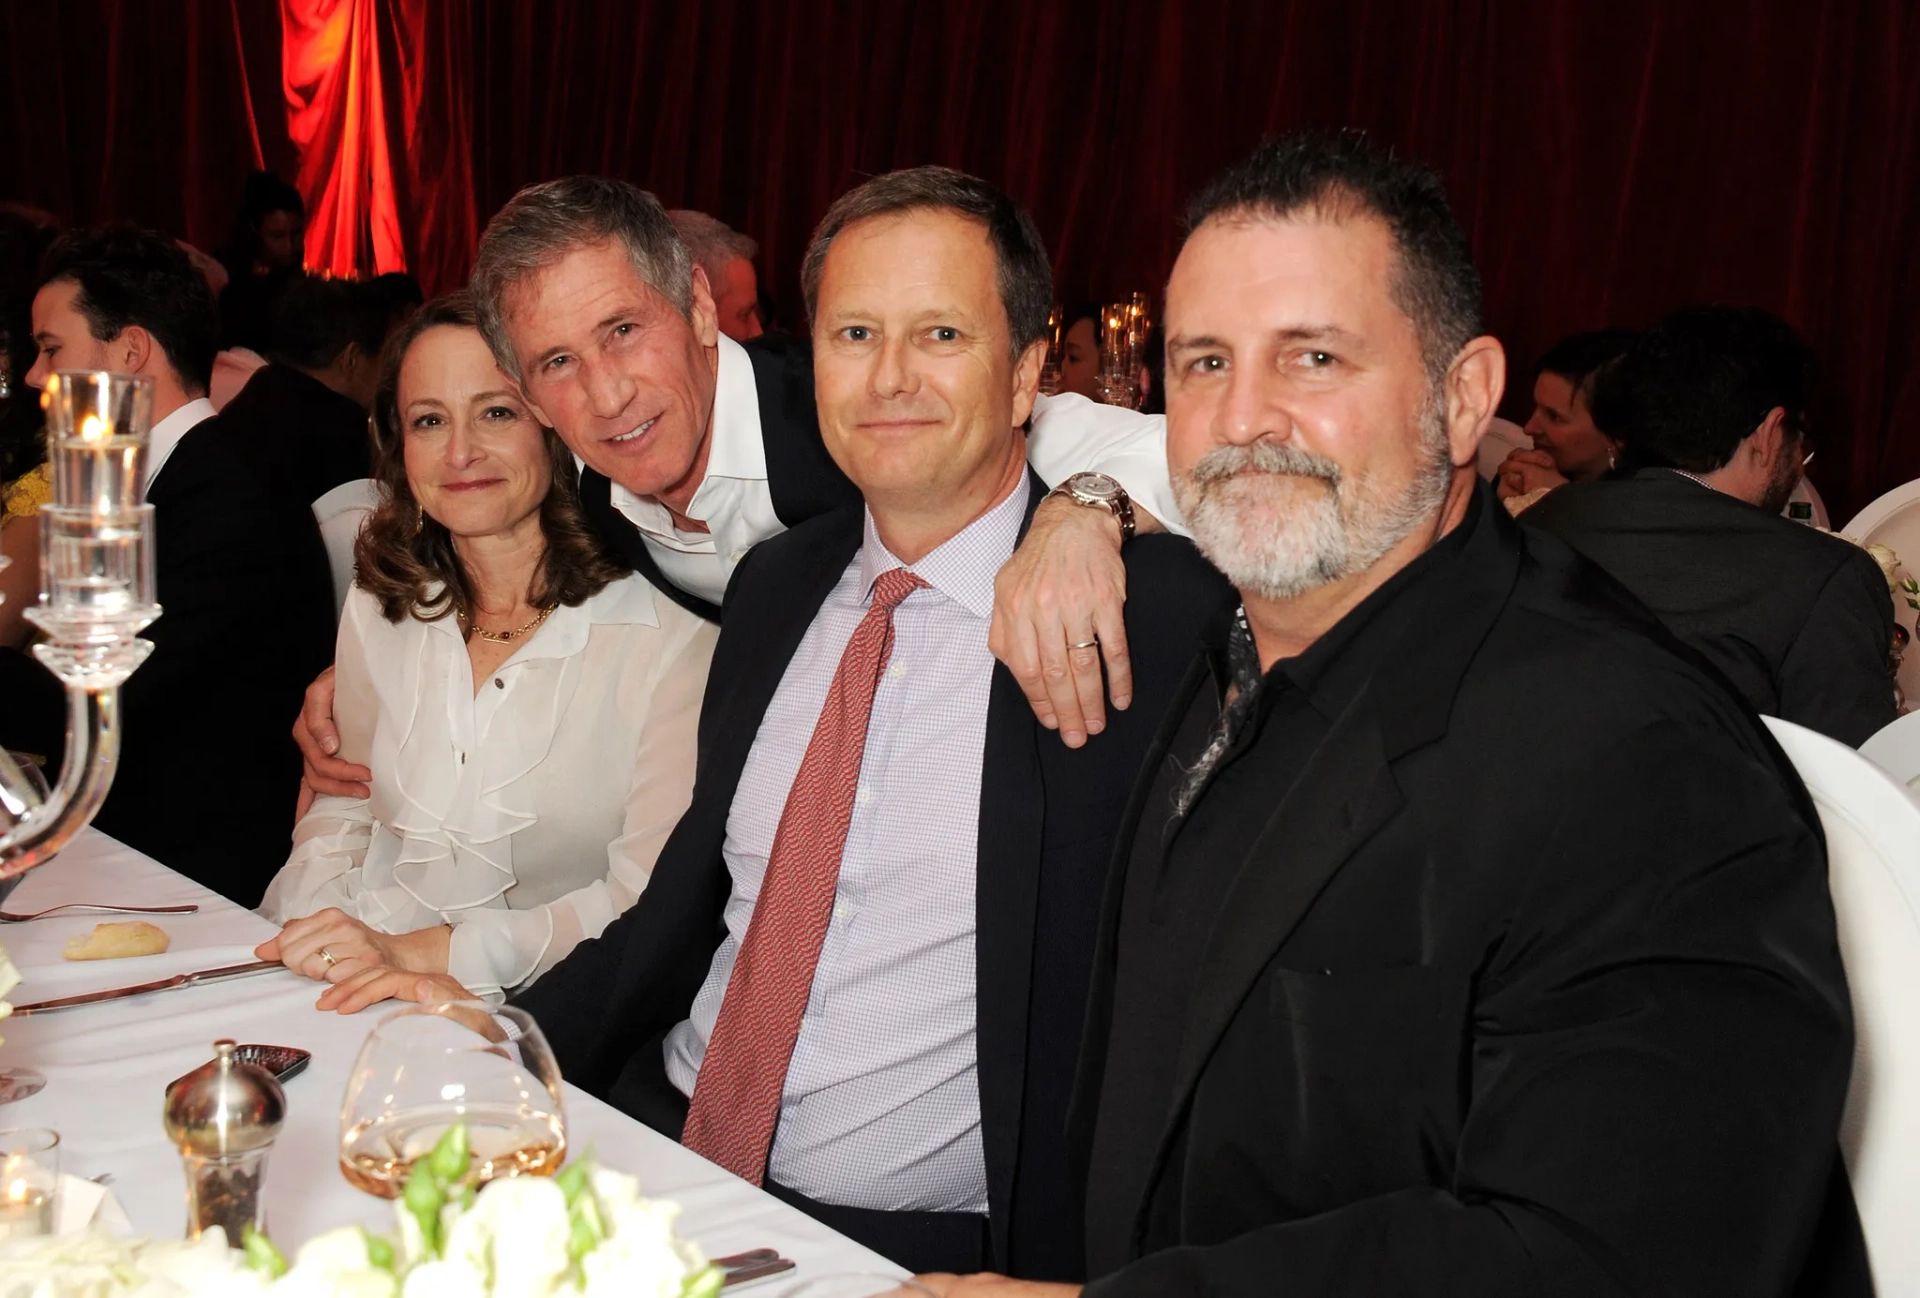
(1006,896)
(618,531)
(1006,900)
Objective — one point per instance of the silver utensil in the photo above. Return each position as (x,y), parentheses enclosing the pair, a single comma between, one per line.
(757,1270)
(193,979)
(10,917)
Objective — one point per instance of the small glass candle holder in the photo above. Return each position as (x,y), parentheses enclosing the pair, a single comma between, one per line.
(29,1180)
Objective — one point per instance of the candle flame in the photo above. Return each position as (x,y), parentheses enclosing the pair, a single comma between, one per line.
(94,429)
(17,1191)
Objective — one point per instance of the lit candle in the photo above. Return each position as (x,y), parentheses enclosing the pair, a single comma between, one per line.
(26,1208)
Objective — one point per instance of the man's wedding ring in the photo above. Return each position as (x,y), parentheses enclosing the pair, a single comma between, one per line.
(1084,644)
(328,957)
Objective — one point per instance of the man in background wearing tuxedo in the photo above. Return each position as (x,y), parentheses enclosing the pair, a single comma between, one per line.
(695,448)
(859,972)
(1711,404)
(207,775)
(1470,938)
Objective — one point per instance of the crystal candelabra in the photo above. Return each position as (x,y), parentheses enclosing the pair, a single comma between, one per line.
(96,596)
(1123,344)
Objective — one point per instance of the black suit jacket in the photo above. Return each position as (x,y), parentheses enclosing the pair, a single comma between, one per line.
(1048,815)
(298,434)
(208,770)
(803,478)
(1529,985)
(1800,622)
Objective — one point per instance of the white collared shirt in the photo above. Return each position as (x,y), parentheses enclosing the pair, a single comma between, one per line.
(167,434)
(882,1101)
(527,814)
(1069,434)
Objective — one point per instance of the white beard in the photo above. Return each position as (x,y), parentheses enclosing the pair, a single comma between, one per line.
(1280,521)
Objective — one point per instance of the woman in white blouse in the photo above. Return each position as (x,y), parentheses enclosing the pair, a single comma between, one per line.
(527,706)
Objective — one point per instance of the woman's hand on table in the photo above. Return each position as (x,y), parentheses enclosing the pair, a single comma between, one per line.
(332,946)
(382,983)
(988,1285)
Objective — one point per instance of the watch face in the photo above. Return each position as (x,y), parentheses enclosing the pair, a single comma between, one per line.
(1095,486)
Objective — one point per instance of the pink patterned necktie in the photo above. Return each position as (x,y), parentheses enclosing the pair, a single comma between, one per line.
(736,1099)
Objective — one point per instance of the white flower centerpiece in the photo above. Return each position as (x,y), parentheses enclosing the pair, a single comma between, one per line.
(584,1232)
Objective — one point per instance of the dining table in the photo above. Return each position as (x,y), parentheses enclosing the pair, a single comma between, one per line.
(107,1066)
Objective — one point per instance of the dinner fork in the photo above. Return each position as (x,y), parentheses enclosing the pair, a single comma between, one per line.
(10,917)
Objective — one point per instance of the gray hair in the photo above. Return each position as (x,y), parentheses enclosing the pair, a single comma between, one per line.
(712,242)
(542,223)
(1026,278)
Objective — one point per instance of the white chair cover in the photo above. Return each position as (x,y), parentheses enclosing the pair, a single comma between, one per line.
(1873,868)
(1895,749)
(340,513)
(1503,438)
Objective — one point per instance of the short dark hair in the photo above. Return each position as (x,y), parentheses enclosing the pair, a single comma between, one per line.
(1343,174)
(128,277)
(1578,358)
(315,320)
(406,560)
(1699,382)
(1026,277)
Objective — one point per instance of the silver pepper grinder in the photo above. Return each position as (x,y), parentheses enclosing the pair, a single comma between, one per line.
(223,1117)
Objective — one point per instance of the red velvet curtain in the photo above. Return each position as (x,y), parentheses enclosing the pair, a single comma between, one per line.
(1610,158)
(138,111)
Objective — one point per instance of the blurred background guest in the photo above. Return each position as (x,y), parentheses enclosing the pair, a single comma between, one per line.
(24,237)
(1080,350)
(262,255)
(1567,445)
(301,422)
(1711,404)
(208,774)
(527,704)
(727,257)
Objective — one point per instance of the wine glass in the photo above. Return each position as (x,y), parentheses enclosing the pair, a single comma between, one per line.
(23,789)
(848,1284)
(425,1067)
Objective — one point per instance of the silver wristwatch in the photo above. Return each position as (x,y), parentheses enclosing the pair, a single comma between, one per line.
(1105,492)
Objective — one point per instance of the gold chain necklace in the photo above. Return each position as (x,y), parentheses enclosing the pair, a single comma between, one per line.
(506,637)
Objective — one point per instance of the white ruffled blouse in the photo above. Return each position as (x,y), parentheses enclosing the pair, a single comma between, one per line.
(528,814)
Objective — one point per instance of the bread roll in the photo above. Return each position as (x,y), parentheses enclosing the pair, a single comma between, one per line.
(117,940)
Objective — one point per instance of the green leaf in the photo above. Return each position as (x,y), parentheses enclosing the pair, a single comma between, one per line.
(261,1255)
(423,1198)
(704,1284)
(380,1252)
(450,1155)
(572,1180)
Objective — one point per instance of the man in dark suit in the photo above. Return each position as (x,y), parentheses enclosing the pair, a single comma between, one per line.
(304,415)
(1470,937)
(919,1105)
(1712,407)
(695,448)
(207,776)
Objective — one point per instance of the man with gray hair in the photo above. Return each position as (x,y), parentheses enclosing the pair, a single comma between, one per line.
(727,257)
(695,448)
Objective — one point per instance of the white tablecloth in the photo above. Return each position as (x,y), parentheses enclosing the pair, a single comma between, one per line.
(107,1066)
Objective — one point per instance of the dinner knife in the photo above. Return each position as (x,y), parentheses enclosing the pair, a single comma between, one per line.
(193,979)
